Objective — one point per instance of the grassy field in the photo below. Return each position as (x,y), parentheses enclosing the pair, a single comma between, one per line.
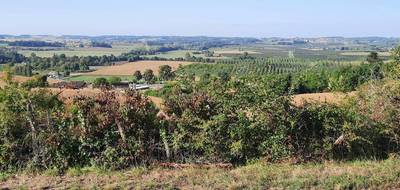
(128,69)
(329,175)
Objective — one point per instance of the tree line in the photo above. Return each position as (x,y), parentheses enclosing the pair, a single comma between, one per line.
(27,43)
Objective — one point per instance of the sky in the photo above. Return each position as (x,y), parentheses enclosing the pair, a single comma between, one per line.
(238,18)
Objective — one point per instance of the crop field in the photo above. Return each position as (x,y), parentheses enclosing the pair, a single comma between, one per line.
(128,69)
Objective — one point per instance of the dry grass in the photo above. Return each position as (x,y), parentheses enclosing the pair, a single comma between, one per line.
(329,175)
(328,97)
(130,68)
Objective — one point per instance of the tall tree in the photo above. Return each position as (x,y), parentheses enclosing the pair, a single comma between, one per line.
(166,72)
(148,76)
(373,57)
(137,75)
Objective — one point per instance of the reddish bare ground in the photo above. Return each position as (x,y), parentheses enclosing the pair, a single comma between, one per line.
(130,68)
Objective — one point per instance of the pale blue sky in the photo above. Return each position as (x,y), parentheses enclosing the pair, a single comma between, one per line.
(258,18)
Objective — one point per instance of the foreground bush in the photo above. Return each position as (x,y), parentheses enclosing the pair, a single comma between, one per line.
(109,130)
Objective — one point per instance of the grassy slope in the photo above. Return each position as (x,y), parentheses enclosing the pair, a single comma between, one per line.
(350,175)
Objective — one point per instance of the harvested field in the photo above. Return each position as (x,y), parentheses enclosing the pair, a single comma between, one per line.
(130,68)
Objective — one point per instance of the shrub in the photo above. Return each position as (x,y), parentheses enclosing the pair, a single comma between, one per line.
(100,82)
(114,80)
